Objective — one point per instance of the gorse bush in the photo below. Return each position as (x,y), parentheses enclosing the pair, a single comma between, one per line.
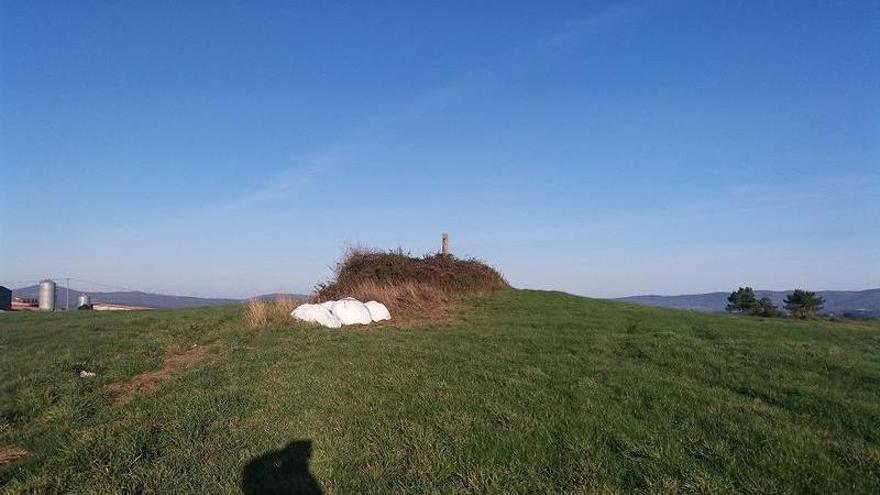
(402,281)
(445,272)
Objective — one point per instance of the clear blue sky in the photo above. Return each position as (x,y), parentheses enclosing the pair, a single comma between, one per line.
(234,148)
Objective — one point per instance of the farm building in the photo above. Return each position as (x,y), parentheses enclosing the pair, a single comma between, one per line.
(24,304)
(5,299)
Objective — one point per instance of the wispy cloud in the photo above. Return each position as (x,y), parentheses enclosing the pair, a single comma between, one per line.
(577,31)
(355,147)
(290,181)
(380,131)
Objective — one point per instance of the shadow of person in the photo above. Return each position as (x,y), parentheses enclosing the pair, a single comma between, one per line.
(281,471)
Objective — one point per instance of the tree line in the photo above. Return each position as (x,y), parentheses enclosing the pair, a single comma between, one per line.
(801,304)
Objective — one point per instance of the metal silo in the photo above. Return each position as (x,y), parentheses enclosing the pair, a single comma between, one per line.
(47,295)
(83,300)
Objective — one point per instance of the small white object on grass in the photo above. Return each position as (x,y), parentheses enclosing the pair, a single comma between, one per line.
(315,313)
(86,374)
(350,311)
(378,311)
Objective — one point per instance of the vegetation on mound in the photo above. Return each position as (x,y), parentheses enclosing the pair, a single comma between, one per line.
(420,287)
(401,281)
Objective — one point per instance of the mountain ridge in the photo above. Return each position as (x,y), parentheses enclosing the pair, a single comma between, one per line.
(849,303)
(139,298)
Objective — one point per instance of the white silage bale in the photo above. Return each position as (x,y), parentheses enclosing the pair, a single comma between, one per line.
(350,311)
(378,311)
(315,313)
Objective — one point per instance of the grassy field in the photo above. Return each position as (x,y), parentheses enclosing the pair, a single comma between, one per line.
(524,392)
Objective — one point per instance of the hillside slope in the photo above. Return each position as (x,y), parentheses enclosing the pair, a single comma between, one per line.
(522,392)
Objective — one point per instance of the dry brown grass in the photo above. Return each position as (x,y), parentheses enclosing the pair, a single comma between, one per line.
(418,297)
(260,313)
(11,454)
(148,381)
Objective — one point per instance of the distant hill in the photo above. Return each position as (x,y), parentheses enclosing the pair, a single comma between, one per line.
(136,298)
(849,303)
(279,295)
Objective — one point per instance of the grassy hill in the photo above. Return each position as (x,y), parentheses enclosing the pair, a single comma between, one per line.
(520,392)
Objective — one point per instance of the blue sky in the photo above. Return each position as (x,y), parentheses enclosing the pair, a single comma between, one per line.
(601,148)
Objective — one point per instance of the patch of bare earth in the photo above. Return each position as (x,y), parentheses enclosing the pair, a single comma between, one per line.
(148,381)
(11,454)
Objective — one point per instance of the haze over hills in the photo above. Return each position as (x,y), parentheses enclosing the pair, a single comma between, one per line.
(853,304)
(137,298)
(860,303)
(280,295)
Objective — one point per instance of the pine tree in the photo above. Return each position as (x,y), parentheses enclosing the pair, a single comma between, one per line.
(741,300)
(765,307)
(803,303)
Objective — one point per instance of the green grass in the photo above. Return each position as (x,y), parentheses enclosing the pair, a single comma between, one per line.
(527,392)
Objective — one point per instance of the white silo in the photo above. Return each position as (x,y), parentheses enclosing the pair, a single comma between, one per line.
(47,295)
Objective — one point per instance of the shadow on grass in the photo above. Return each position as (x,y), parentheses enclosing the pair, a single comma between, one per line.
(281,471)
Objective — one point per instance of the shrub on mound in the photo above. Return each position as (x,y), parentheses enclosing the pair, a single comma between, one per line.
(401,281)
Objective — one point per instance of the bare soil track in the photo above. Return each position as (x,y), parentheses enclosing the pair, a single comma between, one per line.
(148,381)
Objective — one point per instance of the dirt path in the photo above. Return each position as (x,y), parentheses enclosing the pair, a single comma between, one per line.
(148,381)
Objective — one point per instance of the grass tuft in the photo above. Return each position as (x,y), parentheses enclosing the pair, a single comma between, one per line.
(261,313)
